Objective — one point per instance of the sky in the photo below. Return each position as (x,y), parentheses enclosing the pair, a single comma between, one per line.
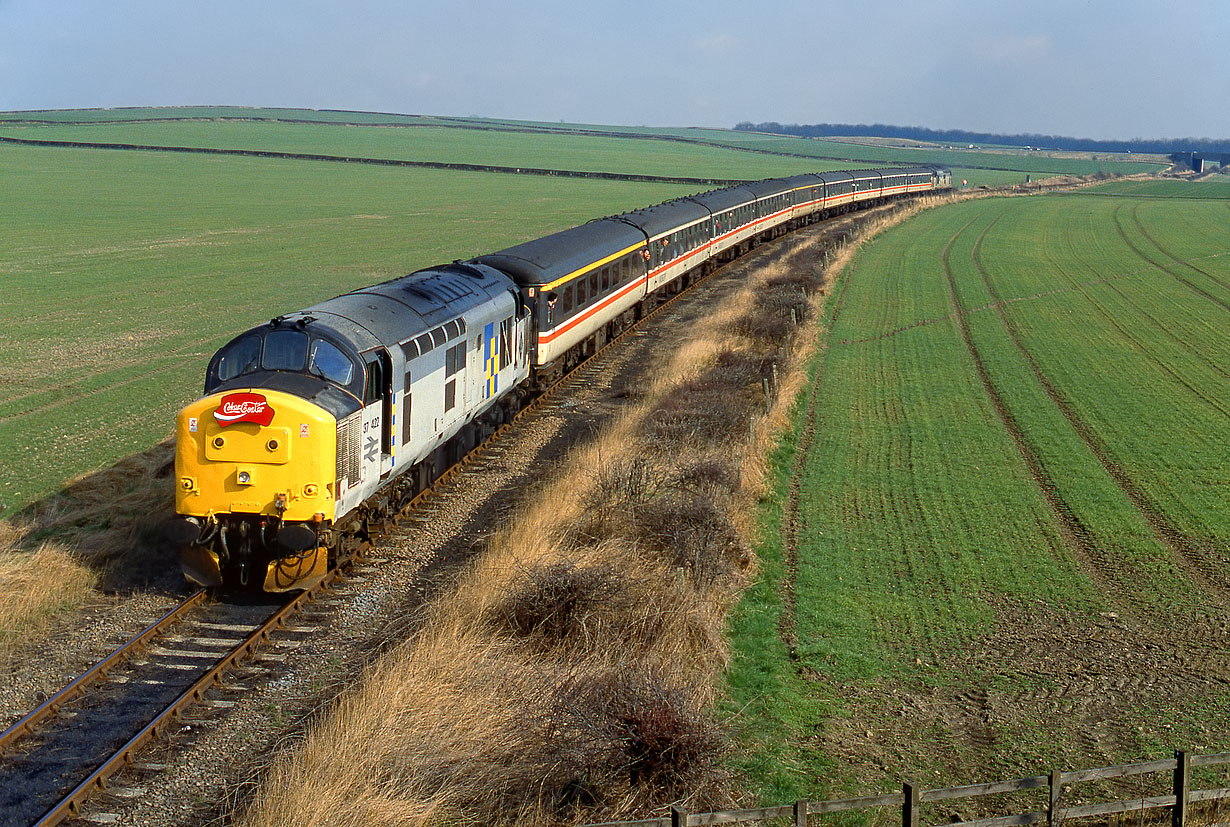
(1118,69)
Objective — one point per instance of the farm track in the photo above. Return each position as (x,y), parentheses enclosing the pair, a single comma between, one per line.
(1168,270)
(68,397)
(1164,251)
(1157,323)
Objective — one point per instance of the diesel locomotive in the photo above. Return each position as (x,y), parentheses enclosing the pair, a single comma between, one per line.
(317,425)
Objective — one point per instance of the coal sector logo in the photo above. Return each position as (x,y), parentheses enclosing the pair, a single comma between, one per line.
(243,407)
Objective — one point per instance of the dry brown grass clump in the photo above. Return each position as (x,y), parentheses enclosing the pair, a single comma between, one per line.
(102,531)
(113,517)
(36,586)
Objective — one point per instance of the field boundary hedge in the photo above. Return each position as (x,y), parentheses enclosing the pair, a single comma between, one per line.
(391,162)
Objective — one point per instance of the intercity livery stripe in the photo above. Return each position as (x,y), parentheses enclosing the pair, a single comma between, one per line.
(613,256)
(546,337)
(583,270)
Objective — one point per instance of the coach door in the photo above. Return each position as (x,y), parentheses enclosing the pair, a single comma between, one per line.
(377,450)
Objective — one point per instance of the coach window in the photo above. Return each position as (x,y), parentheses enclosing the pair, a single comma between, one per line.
(606,279)
(565,301)
(594,284)
(580,292)
(285,350)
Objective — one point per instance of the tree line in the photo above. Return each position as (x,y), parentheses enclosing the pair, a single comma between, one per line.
(960,136)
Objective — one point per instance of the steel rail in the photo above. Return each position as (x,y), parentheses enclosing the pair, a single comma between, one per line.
(49,707)
(70,805)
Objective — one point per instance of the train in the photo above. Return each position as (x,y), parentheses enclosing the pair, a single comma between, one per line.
(318,425)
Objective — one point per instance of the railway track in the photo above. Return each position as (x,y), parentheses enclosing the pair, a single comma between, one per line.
(67,748)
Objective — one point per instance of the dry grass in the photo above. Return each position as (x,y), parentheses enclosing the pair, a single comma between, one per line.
(102,531)
(113,519)
(571,675)
(36,586)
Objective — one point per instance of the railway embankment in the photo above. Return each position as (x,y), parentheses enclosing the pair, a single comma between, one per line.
(574,673)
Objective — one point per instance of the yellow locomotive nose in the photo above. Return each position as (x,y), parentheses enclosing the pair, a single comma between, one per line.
(256,480)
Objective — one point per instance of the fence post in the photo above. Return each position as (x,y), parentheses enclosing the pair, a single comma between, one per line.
(1052,808)
(1182,784)
(909,805)
(679,818)
(800,813)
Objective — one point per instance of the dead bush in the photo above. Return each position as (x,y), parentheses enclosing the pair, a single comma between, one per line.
(693,534)
(709,477)
(651,737)
(616,490)
(714,407)
(800,281)
(562,601)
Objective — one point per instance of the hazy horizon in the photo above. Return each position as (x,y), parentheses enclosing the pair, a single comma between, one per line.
(1095,70)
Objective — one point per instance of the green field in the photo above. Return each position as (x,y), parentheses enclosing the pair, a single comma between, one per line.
(542,150)
(693,152)
(998,537)
(122,272)
(1166,189)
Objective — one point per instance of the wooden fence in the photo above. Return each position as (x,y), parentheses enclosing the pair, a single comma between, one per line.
(912,797)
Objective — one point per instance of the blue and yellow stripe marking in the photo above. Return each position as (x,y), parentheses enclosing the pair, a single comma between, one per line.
(491,360)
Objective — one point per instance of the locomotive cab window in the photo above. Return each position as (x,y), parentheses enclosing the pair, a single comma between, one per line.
(372,391)
(330,363)
(285,350)
(240,358)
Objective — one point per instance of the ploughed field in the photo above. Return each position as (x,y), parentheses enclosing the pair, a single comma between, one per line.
(999,539)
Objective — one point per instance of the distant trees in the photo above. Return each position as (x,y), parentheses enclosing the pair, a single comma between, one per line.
(963,138)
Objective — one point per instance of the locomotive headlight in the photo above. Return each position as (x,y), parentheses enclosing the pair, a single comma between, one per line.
(243,478)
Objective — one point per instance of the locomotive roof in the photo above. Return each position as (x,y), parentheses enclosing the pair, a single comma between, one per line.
(544,260)
(394,311)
